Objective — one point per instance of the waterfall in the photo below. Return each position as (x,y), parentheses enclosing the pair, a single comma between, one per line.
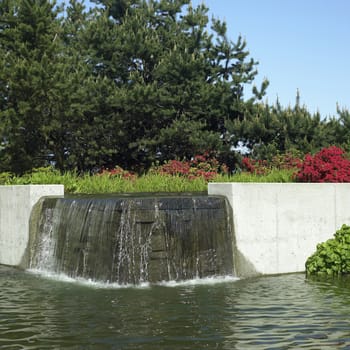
(126,239)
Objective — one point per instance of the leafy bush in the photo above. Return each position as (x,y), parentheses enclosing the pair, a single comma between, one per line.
(151,182)
(286,161)
(201,166)
(6,178)
(328,165)
(333,256)
(254,166)
(118,172)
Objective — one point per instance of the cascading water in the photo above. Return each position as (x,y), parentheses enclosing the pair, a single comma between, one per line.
(125,239)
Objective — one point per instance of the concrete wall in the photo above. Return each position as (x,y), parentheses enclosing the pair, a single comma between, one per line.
(277,226)
(16,203)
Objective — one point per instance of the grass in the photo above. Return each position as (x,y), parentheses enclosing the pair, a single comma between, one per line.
(74,183)
(273,175)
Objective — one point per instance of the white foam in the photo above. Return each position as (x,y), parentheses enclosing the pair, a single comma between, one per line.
(86,282)
(99,284)
(199,281)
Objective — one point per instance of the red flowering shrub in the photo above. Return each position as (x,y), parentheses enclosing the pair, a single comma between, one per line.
(255,166)
(118,172)
(201,166)
(328,165)
(248,164)
(174,167)
(261,167)
(288,161)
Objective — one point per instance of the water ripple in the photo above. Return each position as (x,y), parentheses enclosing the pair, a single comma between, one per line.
(282,312)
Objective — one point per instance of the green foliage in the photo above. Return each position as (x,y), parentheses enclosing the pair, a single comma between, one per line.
(269,130)
(123,182)
(29,49)
(104,183)
(333,256)
(134,83)
(271,175)
(130,82)
(287,161)
(6,178)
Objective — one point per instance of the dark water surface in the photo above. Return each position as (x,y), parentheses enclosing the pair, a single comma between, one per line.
(282,312)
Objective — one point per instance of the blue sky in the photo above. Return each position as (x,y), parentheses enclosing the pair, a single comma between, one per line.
(300,45)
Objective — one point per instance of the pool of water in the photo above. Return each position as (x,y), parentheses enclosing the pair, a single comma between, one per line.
(280,312)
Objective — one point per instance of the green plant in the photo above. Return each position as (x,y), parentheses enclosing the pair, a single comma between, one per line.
(333,256)
(285,161)
(272,175)
(6,178)
(200,166)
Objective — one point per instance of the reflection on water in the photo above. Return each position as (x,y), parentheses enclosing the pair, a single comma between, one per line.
(281,312)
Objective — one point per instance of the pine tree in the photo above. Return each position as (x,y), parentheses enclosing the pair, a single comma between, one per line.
(170,70)
(128,83)
(267,130)
(52,102)
(28,38)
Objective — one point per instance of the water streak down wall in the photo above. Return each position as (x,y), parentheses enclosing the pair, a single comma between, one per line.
(131,239)
(277,226)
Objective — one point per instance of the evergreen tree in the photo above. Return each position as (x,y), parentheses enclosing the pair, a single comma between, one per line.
(28,40)
(81,139)
(169,71)
(128,83)
(268,130)
(52,104)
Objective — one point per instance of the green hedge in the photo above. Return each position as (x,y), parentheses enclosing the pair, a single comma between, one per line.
(333,256)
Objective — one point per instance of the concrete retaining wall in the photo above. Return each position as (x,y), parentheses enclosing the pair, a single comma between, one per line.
(277,226)
(16,203)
